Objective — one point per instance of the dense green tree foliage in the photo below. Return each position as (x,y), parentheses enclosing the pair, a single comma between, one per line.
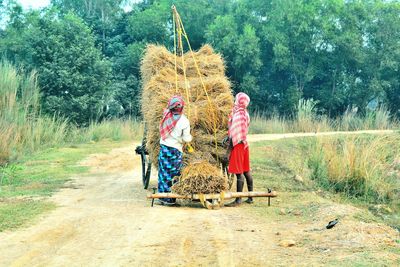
(340,53)
(73,77)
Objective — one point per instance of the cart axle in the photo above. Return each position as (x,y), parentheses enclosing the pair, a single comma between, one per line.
(225,195)
(216,199)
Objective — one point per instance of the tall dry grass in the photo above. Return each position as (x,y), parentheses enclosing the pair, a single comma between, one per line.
(23,129)
(358,166)
(306,119)
(274,124)
(116,130)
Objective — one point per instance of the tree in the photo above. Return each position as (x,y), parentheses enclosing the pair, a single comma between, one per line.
(196,15)
(384,55)
(289,28)
(240,47)
(98,14)
(72,75)
(339,53)
(150,25)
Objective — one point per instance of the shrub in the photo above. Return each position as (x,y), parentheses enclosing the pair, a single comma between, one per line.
(357,166)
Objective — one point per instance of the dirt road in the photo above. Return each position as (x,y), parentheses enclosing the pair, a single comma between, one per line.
(265,137)
(105,220)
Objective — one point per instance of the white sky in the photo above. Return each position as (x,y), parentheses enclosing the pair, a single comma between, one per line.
(26,4)
(34,3)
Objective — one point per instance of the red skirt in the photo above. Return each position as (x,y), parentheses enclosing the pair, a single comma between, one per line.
(239,159)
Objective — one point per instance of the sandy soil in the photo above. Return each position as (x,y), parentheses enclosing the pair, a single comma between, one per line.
(105,220)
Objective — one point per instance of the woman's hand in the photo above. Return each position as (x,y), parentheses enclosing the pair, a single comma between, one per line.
(188,148)
(226,141)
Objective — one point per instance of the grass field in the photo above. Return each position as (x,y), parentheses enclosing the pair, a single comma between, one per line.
(368,178)
(38,153)
(16,213)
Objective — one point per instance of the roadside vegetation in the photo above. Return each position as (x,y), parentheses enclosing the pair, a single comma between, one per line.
(24,129)
(38,153)
(363,167)
(307,118)
(363,170)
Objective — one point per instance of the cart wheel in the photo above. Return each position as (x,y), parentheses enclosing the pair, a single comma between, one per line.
(213,204)
(146,169)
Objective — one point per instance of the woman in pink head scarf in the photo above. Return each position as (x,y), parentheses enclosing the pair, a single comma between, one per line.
(239,160)
(174,131)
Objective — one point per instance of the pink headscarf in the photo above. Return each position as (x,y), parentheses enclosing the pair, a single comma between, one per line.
(239,120)
(172,114)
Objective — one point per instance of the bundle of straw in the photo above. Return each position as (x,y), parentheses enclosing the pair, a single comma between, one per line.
(208,103)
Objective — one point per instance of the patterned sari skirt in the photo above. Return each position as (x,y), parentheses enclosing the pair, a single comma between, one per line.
(169,166)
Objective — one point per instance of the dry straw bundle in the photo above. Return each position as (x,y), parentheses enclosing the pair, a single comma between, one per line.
(208,115)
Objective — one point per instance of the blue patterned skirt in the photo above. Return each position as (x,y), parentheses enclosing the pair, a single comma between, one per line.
(169,166)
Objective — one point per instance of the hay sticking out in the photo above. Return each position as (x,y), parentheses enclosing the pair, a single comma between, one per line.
(205,114)
(200,177)
(158,58)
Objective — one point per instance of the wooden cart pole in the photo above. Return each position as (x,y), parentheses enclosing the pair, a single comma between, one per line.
(227,195)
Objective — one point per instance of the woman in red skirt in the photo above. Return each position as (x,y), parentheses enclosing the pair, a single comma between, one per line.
(239,161)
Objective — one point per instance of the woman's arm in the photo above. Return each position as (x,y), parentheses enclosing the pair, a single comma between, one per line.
(186,136)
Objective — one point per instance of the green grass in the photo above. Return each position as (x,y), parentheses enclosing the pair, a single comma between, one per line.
(16,214)
(274,124)
(275,164)
(362,259)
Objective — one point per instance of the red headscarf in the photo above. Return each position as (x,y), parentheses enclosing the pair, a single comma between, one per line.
(239,120)
(172,114)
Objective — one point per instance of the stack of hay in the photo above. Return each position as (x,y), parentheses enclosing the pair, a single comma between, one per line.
(208,116)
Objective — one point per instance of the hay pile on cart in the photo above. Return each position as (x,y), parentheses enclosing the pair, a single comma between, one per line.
(199,78)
